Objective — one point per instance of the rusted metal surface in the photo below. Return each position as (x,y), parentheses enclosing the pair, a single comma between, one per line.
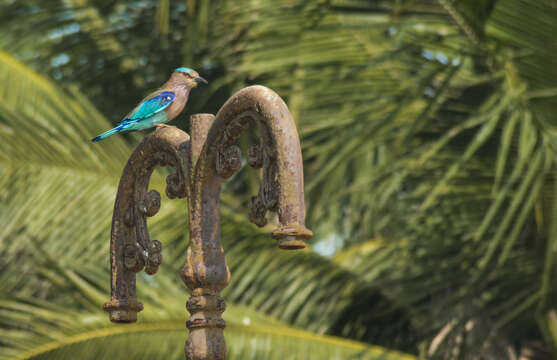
(205,273)
(131,250)
(202,164)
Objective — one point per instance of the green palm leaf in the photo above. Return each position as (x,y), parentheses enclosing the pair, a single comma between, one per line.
(52,332)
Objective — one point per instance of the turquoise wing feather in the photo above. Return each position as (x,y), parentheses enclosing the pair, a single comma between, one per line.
(151,106)
(145,115)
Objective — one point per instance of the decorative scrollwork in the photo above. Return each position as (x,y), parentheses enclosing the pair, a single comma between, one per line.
(151,203)
(266,199)
(229,160)
(270,187)
(255,156)
(130,247)
(133,258)
(175,187)
(154,257)
(257,211)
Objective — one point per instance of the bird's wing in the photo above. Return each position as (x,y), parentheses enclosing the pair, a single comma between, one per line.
(152,104)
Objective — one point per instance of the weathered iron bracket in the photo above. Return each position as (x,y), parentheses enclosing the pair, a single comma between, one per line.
(131,250)
(201,164)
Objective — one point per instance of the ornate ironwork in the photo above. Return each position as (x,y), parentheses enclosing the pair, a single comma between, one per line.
(201,164)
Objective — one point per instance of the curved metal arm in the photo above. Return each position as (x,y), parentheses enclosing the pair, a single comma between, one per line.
(131,250)
(214,157)
(279,154)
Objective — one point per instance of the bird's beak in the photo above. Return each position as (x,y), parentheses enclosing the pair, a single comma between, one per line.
(199,79)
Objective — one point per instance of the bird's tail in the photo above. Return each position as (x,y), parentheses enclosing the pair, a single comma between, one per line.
(108,133)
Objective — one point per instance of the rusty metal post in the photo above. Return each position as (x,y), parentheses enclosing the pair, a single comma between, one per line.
(206,273)
(201,165)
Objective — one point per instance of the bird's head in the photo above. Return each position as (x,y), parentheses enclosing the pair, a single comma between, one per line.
(189,76)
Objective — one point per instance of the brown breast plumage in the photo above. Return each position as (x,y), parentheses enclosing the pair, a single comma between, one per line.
(178,104)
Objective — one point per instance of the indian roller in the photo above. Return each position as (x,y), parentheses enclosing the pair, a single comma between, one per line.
(160,106)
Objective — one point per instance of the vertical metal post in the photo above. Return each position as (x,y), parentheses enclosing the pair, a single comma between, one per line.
(205,272)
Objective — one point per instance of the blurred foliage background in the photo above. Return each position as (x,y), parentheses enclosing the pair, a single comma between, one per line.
(429,135)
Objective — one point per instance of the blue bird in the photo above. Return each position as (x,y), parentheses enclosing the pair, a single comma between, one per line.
(162,105)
